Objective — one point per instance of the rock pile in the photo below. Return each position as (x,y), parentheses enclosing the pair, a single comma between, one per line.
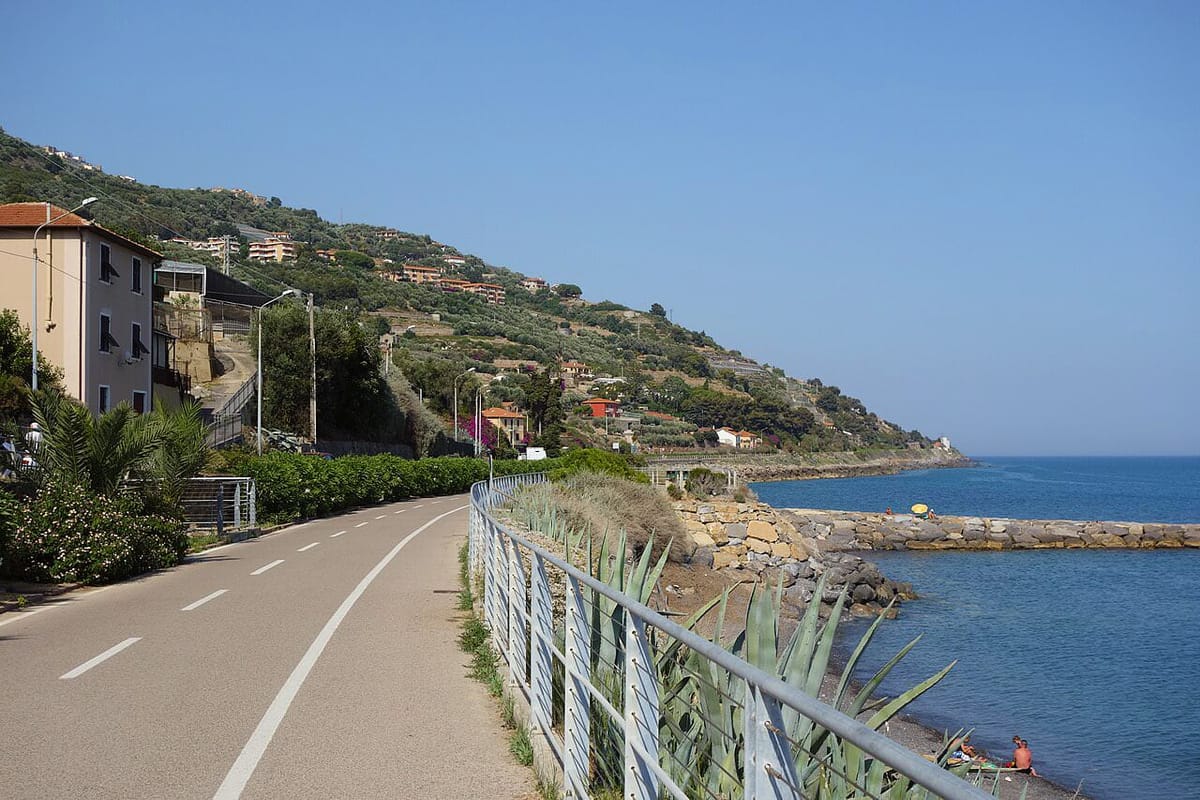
(753,539)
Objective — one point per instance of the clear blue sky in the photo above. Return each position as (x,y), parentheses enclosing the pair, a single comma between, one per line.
(982,219)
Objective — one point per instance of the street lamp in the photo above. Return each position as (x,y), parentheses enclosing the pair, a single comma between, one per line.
(34,327)
(258,381)
(468,372)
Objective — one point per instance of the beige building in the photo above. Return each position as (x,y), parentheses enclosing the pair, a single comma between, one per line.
(274,248)
(491,292)
(94,303)
(510,423)
(418,273)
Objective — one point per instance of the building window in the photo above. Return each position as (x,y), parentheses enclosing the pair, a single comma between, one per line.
(107,342)
(137,276)
(103,404)
(107,270)
(139,402)
(137,346)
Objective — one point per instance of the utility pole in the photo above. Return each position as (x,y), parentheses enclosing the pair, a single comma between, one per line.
(312,350)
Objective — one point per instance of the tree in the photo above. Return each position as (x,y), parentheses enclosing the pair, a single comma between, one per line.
(16,367)
(657,310)
(543,397)
(353,258)
(568,290)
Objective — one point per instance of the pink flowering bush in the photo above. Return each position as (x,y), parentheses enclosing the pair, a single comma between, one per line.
(66,533)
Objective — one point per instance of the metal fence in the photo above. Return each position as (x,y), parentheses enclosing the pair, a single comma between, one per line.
(621,728)
(223,504)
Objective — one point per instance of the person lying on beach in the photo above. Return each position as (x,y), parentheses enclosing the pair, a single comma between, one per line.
(966,749)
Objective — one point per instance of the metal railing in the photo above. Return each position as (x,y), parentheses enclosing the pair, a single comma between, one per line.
(222,504)
(613,727)
(238,400)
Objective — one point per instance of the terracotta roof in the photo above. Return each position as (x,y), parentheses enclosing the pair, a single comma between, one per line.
(31,215)
(602,400)
(501,413)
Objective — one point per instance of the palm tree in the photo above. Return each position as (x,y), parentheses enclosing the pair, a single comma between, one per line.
(163,448)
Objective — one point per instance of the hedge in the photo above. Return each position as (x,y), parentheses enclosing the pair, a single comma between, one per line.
(293,486)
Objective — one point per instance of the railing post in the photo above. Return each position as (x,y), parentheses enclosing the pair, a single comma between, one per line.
(489,583)
(237,504)
(500,592)
(541,675)
(641,712)
(253,504)
(518,630)
(220,509)
(769,773)
(576,720)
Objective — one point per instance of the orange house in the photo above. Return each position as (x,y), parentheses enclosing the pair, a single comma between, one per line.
(510,423)
(602,407)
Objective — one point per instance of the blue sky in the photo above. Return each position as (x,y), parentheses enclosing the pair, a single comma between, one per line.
(981,219)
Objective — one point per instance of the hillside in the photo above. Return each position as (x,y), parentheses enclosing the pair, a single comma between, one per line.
(675,385)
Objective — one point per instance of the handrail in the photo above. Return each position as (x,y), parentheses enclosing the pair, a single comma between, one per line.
(926,774)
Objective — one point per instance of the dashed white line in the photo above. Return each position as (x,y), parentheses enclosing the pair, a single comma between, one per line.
(247,761)
(308,547)
(203,600)
(261,570)
(107,654)
(335,535)
(20,615)
(401,511)
(359,525)
(419,505)
(381,516)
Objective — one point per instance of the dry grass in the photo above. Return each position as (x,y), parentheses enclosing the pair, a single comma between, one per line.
(604,506)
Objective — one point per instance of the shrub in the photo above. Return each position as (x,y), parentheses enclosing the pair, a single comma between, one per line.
(603,462)
(67,533)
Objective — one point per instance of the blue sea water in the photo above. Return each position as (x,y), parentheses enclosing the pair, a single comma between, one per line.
(1091,655)
(1121,489)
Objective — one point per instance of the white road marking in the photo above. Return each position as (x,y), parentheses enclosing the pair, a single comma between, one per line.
(247,761)
(17,616)
(381,516)
(308,547)
(359,525)
(419,505)
(335,535)
(261,570)
(107,654)
(203,600)
(401,511)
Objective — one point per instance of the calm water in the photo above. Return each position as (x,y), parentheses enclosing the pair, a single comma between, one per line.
(1090,655)
(1128,489)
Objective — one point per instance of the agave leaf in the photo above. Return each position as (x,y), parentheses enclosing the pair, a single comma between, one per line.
(762,617)
(820,661)
(889,711)
(852,662)
(867,690)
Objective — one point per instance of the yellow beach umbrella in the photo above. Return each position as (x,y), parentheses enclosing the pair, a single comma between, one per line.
(920,508)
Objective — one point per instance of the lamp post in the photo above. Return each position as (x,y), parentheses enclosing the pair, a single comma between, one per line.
(34,318)
(468,372)
(258,381)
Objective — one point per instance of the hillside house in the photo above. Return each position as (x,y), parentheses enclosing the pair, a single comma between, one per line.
(493,293)
(742,440)
(418,273)
(602,407)
(511,424)
(534,285)
(278,247)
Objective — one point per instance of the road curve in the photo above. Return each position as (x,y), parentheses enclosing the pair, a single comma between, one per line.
(320,661)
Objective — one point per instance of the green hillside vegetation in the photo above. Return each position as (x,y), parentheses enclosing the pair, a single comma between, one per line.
(687,378)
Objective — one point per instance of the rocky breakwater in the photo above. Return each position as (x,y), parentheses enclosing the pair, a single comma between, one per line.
(850,530)
(754,541)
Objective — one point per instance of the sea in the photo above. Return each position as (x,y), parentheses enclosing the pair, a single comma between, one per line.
(1091,655)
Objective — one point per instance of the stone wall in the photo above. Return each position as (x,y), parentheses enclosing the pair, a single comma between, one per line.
(849,530)
(756,541)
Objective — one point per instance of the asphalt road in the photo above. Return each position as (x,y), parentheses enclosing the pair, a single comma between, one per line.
(319,661)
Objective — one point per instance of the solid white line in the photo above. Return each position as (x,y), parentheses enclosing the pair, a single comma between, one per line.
(204,600)
(261,570)
(335,535)
(308,547)
(17,616)
(107,654)
(359,525)
(381,516)
(247,761)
